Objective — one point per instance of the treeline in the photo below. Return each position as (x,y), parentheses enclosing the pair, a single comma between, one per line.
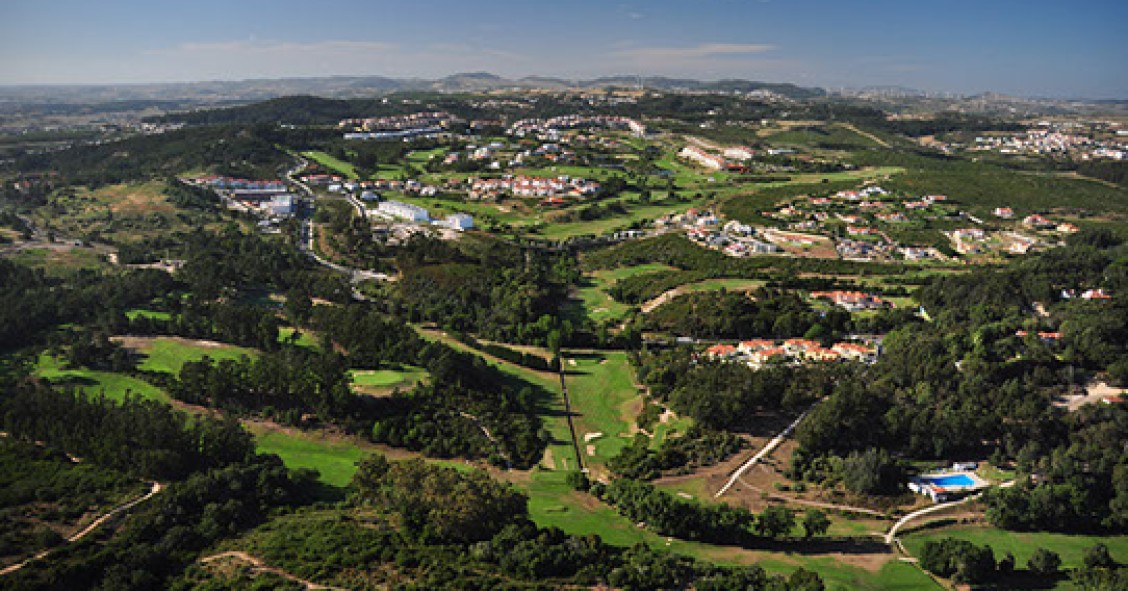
(736,315)
(678,251)
(143,438)
(668,515)
(34,302)
(231,150)
(530,360)
(293,385)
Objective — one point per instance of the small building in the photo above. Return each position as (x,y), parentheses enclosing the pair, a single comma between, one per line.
(458,221)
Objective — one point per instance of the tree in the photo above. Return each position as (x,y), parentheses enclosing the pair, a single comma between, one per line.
(1098,557)
(775,521)
(815,523)
(1044,562)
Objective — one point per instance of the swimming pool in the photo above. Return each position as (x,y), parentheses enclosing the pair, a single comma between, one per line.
(951,480)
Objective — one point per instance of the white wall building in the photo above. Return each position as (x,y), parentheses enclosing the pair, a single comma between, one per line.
(406,211)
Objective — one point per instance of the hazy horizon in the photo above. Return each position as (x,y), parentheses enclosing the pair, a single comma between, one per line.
(1039,48)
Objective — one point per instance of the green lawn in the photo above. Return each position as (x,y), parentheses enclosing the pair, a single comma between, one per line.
(93,382)
(331,163)
(1022,544)
(305,339)
(600,385)
(143,313)
(169,354)
(387,379)
(593,291)
(334,460)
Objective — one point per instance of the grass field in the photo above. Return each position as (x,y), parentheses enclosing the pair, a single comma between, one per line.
(600,388)
(169,354)
(143,313)
(594,290)
(1021,544)
(383,381)
(93,382)
(305,339)
(334,460)
(331,163)
(60,261)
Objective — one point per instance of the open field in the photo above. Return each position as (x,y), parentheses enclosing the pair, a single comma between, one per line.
(169,354)
(58,260)
(333,164)
(1022,544)
(335,460)
(93,382)
(377,382)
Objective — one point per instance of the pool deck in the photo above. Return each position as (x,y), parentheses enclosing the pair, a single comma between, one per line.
(927,485)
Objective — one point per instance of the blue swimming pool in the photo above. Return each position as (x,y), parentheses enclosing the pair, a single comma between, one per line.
(952,480)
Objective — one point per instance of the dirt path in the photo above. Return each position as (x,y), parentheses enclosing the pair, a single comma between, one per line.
(259,566)
(493,440)
(866,135)
(154,488)
(809,503)
(767,449)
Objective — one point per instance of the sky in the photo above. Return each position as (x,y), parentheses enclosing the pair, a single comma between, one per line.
(1049,48)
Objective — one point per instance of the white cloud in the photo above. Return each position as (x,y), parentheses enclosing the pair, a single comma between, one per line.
(696,52)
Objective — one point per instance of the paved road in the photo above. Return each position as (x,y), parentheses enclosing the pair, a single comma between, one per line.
(891,536)
(767,449)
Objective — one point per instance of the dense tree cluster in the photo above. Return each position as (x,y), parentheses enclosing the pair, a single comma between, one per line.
(736,315)
(697,448)
(959,560)
(144,438)
(666,514)
(490,288)
(439,503)
(723,395)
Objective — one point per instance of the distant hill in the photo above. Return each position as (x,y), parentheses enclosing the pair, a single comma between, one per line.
(216,92)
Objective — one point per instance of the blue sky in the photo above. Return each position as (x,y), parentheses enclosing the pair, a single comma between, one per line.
(1071,48)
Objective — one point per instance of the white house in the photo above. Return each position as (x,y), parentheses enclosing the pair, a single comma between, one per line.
(458,221)
(411,213)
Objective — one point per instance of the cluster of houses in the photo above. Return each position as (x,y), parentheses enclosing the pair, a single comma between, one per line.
(699,156)
(525,186)
(853,301)
(397,126)
(549,129)
(1053,140)
(757,352)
